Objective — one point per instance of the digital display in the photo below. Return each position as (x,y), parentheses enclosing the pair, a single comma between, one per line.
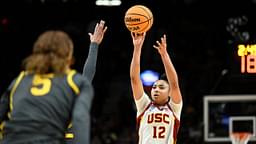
(247,53)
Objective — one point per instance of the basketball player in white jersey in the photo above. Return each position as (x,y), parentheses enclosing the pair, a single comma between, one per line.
(158,115)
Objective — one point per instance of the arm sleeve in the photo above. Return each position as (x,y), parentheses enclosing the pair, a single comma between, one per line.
(81,114)
(4,106)
(4,102)
(90,63)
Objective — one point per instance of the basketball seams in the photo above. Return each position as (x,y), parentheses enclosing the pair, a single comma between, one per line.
(149,13)
(145,27)
(137,14)
(146,10)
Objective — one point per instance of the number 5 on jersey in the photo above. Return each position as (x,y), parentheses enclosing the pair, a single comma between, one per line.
(41,85)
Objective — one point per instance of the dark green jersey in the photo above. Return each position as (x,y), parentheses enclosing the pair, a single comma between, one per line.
(42,106)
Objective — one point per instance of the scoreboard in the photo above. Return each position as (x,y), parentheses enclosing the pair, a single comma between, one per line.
(247,54)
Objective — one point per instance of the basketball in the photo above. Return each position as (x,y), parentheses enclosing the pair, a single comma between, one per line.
(138,19)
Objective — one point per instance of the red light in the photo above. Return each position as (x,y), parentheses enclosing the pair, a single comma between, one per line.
(4,21)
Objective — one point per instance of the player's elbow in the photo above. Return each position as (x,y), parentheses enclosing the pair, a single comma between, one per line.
(135,80)
(80,117)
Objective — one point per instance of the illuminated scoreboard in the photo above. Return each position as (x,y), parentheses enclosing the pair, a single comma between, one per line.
(247,54)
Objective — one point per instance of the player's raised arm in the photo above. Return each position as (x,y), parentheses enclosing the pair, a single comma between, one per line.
(4,106)
(5,103)
(95,39)
(170,71)
(137,86)
(81,114)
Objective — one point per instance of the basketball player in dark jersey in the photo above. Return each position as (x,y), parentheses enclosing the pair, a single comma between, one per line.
(89,68)
(41,102)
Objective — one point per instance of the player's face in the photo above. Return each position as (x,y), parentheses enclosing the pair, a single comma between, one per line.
(160,92)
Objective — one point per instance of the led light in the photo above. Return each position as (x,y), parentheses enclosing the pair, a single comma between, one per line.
(148,77)
(108,2)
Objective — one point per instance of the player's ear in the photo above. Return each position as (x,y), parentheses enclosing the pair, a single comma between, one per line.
(71,61)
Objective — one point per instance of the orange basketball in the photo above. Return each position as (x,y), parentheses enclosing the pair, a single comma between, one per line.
(138,19)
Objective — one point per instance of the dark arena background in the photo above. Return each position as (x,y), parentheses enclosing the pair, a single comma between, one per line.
(203,38)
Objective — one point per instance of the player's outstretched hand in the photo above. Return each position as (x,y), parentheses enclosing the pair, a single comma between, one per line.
(138,39)
(99,32)
(161,46)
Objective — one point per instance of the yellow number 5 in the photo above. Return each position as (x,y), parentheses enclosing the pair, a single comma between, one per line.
(40,85)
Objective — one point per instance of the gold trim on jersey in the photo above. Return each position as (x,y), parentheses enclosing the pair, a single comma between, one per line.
(71,82)
(69,135)
(70,125)
(75,88)
(1,130)
(13,90)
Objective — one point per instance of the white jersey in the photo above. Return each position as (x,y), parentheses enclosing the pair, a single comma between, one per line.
(157,124)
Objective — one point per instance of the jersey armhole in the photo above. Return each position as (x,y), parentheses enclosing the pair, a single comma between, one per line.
(175,108)
(142,103)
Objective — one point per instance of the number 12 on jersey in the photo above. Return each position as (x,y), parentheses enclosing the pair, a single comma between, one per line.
(158,132)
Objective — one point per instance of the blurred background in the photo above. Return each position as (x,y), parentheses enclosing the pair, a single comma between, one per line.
(203,38)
